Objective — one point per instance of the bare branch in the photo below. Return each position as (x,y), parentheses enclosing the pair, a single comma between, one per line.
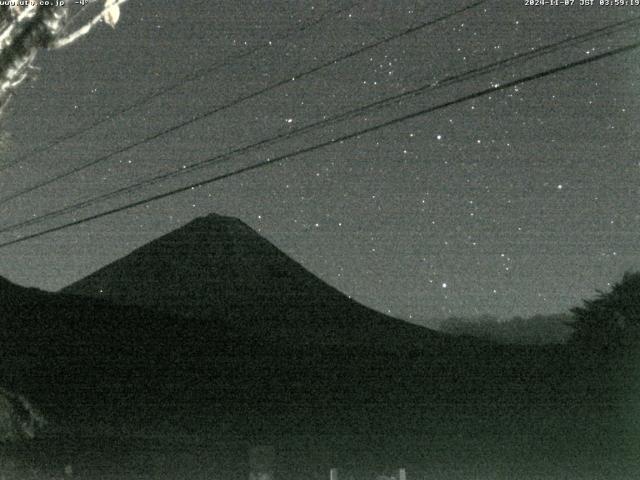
(24,30)
(109,14)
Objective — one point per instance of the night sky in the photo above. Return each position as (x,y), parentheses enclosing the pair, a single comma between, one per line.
(519,202)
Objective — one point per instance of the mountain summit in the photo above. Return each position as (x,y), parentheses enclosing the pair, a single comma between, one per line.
(218,269)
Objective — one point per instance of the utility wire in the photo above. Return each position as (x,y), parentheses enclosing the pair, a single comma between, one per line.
(234,103)
(197,75)
(450,80)
(281,158)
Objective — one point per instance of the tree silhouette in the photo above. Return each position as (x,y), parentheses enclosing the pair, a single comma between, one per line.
(612,319)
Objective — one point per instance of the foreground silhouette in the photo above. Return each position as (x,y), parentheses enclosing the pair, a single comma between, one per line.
(610,321)
(172,391)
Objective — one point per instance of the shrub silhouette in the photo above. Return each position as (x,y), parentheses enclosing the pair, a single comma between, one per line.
(612,319)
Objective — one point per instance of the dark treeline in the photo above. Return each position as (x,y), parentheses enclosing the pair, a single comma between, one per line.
(536,330)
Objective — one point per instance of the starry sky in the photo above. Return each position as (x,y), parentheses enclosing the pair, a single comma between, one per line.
(519,202)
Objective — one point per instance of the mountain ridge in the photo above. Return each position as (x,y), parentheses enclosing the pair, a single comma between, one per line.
(218,268)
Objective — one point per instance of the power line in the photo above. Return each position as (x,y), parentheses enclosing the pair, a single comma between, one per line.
(450,80)
(234,103)
(404,118)
(539,51)
(197,75)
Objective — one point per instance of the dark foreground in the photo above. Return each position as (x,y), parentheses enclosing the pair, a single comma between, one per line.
(478,413)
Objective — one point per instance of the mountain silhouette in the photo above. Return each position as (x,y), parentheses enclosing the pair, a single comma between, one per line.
(218,269)
(210,316)
(73,354)
(211,329)
(86,361)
